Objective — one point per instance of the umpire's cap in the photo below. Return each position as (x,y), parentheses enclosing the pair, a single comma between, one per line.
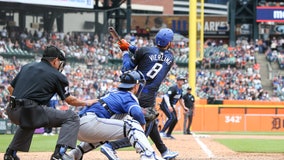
(181,78)
(130,78)
(164,36)
(54,52)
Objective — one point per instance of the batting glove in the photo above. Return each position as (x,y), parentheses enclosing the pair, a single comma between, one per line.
(123,45)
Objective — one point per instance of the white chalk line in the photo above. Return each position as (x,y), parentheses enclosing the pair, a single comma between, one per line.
(202,145)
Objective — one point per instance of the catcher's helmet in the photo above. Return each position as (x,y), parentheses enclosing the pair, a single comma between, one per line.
(130,78)
(164,36)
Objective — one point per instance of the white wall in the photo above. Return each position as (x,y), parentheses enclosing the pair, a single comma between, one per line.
(72,21)
(75,22)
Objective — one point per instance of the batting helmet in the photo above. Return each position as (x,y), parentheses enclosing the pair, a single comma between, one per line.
(130,78)
(164,36)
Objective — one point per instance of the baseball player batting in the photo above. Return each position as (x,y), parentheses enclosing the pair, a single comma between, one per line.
(155,63)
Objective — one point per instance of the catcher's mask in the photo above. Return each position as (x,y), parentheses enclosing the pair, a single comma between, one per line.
(52,52)
(130,78)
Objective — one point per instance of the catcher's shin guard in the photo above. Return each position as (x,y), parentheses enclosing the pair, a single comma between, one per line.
(134,132)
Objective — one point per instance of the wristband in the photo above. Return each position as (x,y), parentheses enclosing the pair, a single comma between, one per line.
(132,48)
(124,52)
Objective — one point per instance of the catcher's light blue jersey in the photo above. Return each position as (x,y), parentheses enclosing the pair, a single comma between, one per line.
(119,102)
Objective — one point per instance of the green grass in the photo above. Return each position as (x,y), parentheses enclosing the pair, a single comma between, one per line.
(251,145)
(40,143)
(243,133)
(254,145)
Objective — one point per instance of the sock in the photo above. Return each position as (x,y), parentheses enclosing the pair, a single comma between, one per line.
(60,149)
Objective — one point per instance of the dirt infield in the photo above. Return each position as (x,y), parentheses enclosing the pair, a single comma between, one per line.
(190,147)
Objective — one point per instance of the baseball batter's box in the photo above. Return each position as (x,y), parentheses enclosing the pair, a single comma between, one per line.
(234,116)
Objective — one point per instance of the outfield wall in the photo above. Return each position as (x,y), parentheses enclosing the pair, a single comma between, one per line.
(232,115)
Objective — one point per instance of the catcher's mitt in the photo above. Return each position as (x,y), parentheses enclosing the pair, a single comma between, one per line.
(150,114)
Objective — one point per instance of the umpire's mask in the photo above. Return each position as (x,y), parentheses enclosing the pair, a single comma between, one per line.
(52,52)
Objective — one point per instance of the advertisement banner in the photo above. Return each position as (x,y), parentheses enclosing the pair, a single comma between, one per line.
(61,3)
(213,25)
(270,14)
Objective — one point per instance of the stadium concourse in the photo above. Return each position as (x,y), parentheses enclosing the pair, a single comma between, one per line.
(224,73)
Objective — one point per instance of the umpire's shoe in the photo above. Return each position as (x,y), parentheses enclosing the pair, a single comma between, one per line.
(10,155)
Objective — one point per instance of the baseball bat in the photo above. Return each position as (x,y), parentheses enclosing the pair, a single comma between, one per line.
(113,33)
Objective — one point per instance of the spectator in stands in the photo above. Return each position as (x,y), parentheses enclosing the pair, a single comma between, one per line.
(206,63)
(2,48)
(4,32)
(106,48)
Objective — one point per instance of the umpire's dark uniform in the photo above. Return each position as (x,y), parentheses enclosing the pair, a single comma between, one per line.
(33,87)
(188,116)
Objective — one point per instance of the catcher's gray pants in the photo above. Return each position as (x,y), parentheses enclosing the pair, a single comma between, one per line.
(97,130)
(67,120)
(94,129)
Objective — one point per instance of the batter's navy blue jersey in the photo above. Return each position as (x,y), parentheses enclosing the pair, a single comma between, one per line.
(41,84)
(119,102)
(155,65)
(174,93)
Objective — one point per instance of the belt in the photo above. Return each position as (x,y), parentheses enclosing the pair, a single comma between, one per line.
(87,113)
(21,102)
(24,102)
(103,103)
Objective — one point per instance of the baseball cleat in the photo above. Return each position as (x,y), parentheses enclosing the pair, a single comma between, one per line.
(107,150)
(169,154)
(61,157)
(162,134)
(11,157)
(168,137)
(151,156)
(76,153)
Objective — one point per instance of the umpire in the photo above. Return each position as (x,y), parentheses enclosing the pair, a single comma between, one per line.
(30,91)
(189,100)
